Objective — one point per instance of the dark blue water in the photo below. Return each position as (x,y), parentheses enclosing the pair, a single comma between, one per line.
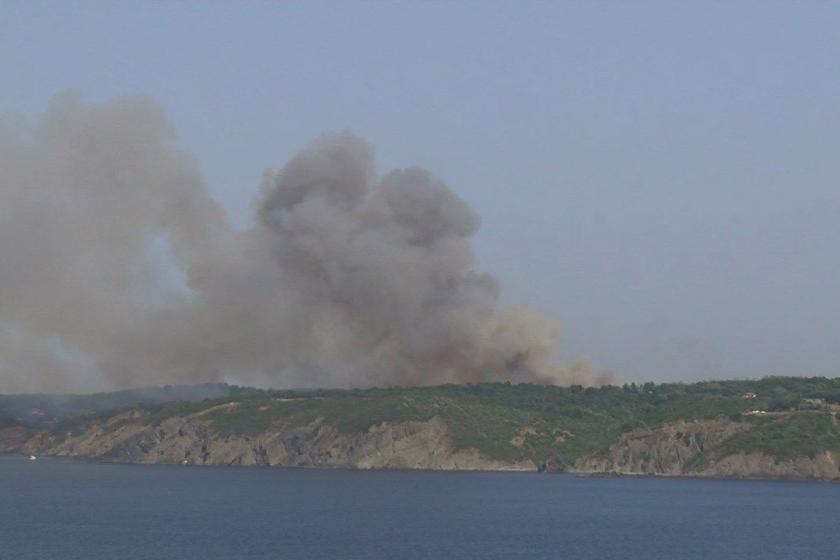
(64,510)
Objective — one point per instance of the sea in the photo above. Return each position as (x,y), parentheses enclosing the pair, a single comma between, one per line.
(73,510)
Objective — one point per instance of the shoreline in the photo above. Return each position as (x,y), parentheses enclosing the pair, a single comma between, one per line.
(581,475)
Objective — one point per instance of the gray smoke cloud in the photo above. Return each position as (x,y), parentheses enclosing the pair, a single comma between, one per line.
(117,269)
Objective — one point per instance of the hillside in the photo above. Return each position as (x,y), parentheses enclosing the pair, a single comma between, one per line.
(774,427)
(39,409)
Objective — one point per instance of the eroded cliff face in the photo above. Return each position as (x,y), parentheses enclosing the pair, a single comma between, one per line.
(667,450)
(682,448)
(191,440)
(692,449)
(824,466)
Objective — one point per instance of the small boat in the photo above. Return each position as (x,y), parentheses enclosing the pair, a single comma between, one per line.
(32,457)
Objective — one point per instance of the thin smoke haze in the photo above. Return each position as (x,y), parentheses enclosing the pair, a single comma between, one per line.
(118,269)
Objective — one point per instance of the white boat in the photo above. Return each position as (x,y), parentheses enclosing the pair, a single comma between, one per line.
(32,457)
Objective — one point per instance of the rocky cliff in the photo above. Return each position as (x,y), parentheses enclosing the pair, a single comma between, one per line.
(695,449)
(773,428)
(192,440)
(675,449)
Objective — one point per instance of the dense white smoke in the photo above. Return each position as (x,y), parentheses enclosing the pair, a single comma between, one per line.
(346,278)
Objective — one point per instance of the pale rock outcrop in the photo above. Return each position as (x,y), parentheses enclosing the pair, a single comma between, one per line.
(666,450)
(681,448)
(824,466)
(191,440)
(691,449)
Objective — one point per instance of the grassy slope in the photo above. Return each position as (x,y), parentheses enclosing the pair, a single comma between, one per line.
(800,435)
(569,422)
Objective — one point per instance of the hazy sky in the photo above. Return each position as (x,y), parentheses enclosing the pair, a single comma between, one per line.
(662,177)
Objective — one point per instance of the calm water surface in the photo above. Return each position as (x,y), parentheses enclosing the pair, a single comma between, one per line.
(53,509)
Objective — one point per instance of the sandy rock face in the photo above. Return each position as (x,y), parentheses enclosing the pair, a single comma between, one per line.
(689,449)
(681,448)
(667,450)
(191,440)
(757,465)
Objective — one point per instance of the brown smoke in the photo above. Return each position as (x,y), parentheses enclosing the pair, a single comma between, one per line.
(346,279)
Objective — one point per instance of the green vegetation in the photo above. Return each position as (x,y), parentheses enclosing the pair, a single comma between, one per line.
(798,435)
(532,421)
(513,422)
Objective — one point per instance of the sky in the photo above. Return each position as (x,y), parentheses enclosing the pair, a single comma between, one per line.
(662,177)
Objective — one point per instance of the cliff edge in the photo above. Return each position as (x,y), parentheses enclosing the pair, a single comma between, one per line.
(717,429)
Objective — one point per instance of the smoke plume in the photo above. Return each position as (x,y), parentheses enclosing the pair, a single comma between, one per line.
(117,269)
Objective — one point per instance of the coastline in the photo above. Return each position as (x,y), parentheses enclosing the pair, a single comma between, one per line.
(345,468)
